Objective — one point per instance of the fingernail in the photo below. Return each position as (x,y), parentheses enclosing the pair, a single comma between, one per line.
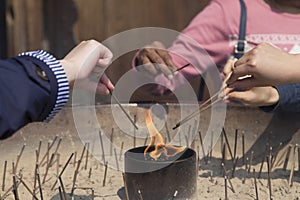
(170,76)
(175,73)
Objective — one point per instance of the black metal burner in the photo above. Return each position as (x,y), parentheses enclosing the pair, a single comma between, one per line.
(175,178)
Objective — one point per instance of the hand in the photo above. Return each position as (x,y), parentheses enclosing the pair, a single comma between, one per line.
(266,65)
(257,96)
(85,60)
(154,59)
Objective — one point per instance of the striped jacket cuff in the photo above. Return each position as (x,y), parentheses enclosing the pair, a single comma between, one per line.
(61,78)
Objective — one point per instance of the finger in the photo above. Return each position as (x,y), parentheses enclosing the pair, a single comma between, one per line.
(243,60)
(105,80)
(159,64)
(229,66)
(238,72)
(167,59)
(146,65)
(245,83)
(105,56)
(93,87)
(241,96)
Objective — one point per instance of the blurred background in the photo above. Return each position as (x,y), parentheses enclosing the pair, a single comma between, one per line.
(58,25)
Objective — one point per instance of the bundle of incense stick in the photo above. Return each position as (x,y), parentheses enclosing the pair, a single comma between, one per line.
(204,106)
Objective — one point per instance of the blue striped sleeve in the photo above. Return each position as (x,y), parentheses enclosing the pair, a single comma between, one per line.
(61,79)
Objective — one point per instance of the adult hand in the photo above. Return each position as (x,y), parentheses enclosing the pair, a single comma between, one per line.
(257,96)
(89,58)
(266,65)
(154,59)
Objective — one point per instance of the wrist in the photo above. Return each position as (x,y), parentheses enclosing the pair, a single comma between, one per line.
(273,96)
(69,72)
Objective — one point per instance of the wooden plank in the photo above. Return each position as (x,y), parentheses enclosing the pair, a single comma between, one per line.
(16,26)
(61,16)
(34,24)
(90,21)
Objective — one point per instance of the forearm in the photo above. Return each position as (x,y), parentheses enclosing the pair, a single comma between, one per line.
(34,88)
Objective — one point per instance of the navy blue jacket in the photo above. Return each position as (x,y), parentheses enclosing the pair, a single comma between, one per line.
(33,88)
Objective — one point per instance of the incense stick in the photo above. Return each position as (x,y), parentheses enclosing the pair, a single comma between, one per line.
(15,188)
(255,184)
(269,177)
(4,176)
(63,169)
(102,147)
(123,109)
(235,143)
(291,179)
(181,68)
(105,174)
(203,107)
(26,186)
(121,151)
(116,158)
(19,157)
(287,157)
(228,145)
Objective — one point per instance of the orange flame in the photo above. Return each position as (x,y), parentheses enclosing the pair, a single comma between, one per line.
(161,149)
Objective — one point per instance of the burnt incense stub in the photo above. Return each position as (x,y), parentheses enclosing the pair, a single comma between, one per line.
(156,179)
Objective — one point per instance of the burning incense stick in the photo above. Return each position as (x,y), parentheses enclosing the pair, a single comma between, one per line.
(4,176)
(123,109)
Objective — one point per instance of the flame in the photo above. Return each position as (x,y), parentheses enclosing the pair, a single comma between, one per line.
(161,149)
